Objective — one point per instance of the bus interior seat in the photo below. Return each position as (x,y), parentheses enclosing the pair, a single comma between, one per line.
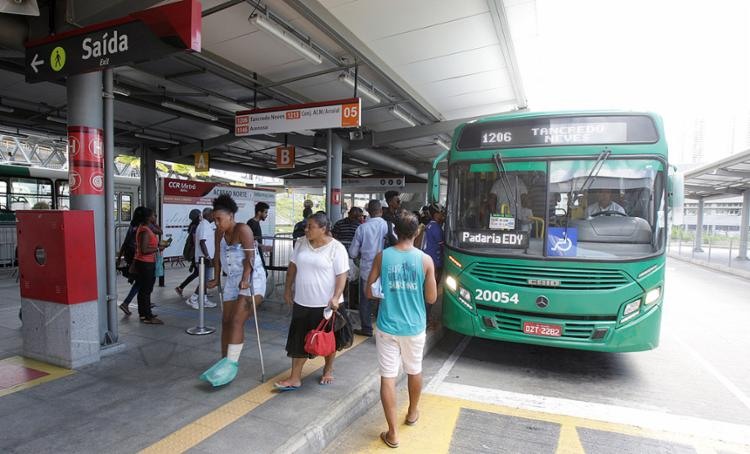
(613,229)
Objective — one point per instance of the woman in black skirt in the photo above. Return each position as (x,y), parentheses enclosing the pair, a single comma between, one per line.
(317,269)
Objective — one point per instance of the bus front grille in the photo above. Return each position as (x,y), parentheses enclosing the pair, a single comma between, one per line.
(541,277)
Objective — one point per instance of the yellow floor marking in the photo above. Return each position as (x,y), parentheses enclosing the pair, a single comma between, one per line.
(439,415)
(53,373)
(569,443)
(206,426)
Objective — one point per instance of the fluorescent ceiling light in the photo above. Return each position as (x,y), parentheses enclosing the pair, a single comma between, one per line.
(6,109)
(156,138)
(362,90)
(22,7)
(237,155)
(120,91)
(406,118)
(57,119)
(189,110)
(359,161)
(438,141)
(287,37)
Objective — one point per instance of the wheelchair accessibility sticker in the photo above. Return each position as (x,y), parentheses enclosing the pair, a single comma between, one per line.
(562,242)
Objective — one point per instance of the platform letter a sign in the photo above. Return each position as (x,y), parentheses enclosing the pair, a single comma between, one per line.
(285,157)
(201,162)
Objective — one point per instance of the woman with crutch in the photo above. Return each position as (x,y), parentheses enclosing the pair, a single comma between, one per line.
(243,290)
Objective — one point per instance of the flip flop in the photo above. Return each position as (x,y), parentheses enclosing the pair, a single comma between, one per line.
(282,388)
(411,423)
(384,437)
(323,381)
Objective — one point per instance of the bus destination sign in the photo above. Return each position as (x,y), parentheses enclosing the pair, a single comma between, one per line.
(508,240)
(555,131)
(141,36)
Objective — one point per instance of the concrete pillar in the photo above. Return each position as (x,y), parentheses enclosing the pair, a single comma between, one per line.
(744,221)
(699,228)
(109,203)
(336,152)
(85,110)
(148,178)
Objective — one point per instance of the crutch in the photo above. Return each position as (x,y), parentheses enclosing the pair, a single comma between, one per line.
(255,319)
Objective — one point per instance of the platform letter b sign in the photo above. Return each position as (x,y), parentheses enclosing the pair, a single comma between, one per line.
(285,157)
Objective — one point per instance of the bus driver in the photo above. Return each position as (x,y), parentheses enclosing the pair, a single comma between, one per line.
(604,205)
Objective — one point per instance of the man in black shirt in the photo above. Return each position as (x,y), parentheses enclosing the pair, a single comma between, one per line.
(261,213)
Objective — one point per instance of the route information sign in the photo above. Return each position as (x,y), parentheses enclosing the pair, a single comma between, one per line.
(141,36)
(342,113)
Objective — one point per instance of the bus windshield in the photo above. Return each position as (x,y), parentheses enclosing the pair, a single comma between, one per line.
(608,209)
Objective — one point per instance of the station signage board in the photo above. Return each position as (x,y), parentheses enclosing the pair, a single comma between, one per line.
(141,36)
(352,184)
(285,157)
(202,162)
(342,113)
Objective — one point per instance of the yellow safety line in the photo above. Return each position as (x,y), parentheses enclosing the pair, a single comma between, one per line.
(439,415)
(53,373)
(206,426)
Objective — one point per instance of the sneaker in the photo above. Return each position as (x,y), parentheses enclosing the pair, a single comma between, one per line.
(192,302)
(208,303)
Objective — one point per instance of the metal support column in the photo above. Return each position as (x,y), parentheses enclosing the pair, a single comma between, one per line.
(329,159)
(744,221)
(85,110)
(109,195)
(336,150)
(148,178)
(699,228)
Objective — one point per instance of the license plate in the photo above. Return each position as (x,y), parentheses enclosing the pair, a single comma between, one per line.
(542,329)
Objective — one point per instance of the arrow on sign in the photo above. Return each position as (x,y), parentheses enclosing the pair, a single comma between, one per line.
(36,62)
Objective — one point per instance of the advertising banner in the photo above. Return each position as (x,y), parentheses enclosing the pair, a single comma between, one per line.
(181,196)
(86,160)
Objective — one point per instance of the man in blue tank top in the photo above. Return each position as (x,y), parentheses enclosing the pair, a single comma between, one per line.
(407,280)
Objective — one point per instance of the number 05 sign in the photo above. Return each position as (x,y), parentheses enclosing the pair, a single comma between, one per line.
(342,113)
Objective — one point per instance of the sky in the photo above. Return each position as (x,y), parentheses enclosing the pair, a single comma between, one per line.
(684,60)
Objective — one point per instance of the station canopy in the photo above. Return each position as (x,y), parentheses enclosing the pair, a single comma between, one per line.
(726,177)
(423,66)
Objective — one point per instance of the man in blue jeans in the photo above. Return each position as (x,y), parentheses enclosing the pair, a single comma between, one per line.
(367,242)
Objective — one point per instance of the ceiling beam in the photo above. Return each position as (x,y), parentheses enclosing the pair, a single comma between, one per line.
(731,173)
(321,17)
(502,30)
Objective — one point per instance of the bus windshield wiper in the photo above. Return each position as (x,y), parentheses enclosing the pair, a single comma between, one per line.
(587,183)
(506,181)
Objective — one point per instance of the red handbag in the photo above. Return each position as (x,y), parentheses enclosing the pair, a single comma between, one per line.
(320,342)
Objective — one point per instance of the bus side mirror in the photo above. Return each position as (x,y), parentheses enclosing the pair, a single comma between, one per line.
(675,188)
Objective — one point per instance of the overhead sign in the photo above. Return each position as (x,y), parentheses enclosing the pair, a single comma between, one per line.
(350,184)
(141,36)
(343,113)
(201,162)
(285,157)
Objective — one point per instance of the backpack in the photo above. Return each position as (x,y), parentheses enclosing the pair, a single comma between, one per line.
(128,246)
(188,251)
(390,238)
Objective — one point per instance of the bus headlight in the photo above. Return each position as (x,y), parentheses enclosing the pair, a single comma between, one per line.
(451,283)
(631,310)
(653,295)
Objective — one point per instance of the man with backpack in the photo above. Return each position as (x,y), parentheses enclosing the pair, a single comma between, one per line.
(188,251)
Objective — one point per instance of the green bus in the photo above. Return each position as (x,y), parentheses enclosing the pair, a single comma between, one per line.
(557,229)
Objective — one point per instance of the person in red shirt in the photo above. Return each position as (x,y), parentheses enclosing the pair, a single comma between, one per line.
(147,244)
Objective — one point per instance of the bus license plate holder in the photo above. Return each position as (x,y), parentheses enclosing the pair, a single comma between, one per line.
(542,329)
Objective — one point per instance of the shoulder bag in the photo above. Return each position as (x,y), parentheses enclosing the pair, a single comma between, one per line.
(320,342)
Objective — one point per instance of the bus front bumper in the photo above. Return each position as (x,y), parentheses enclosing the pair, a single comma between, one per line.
(639,334)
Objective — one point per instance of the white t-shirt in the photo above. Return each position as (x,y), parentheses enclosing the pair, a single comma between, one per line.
(316,272)
(205,231)
(595,208)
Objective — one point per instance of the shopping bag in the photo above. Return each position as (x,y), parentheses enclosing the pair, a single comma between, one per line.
(159,268)
(320,342)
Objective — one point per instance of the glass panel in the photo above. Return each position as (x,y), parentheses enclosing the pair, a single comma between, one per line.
(125,208)
(615,212)
(30,193)
(3,195)
(63,195)
(498,213)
